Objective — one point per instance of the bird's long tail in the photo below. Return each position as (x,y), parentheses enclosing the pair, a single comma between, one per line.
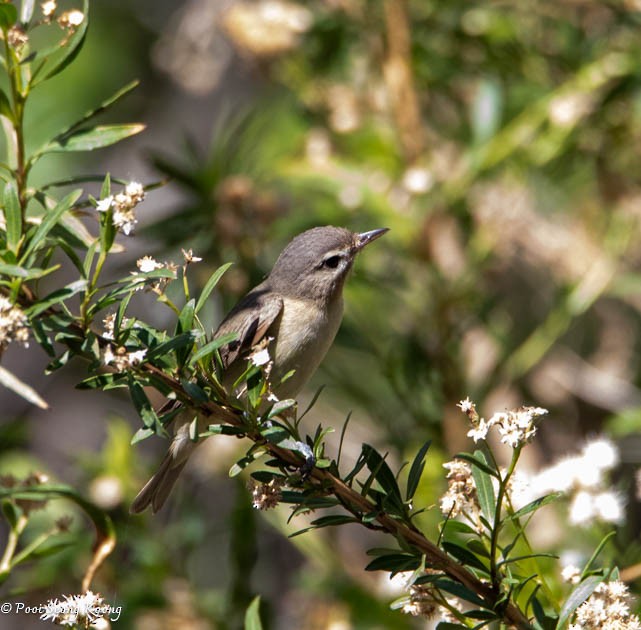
(157,489)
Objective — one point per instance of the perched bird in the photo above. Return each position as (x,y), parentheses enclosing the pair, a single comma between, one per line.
(297,310)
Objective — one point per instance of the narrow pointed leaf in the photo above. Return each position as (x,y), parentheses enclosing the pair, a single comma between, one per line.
(582,591)
(55,59)
(252,615)
(211,285)
(12,382)
(93,138)
(49,220)
(416,470)
(13,216)
(484,487)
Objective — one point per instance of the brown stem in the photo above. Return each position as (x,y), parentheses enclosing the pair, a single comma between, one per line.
(397,73)
(436,557)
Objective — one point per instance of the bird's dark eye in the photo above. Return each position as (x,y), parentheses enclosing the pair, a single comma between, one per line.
(332,262)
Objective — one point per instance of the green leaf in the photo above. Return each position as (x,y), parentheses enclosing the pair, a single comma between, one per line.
(477,463)
(394,562)
(175,343)
(8,16)
(484,487)
(102,381)
(11,513)
(12,382)
(416,470)
(243,462)
(90,139)
(381,471)
(446,625)
(142,404)
(252,615)
(458,590)
(142,434)
(597,551)
(48,221)
(332,520)
(581,592)
(55,59)
(13,216)
(99,110)
(536,504)
(464,555)
(211,285)
(5,107)
(56,297)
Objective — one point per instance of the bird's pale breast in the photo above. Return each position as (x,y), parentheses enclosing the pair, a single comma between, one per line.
(305,334)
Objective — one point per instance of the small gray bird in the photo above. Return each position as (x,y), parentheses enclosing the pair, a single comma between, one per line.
(300,307)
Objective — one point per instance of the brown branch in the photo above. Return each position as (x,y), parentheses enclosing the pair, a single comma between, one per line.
(357,503)
(397,73)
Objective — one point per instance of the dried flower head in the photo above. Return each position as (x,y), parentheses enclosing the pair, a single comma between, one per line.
(421,601)
(461,497)
(266,495)
(71,19)
(189,257)
(14,325)
(17,38)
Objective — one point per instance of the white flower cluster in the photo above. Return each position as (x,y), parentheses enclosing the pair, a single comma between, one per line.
(109,323)
(122,360)
(267,28)
(516,427)
(146,264)
(608,608)
(14,325)
(584,478)
(86,611)
(123,204)
(461,497)
(421,602)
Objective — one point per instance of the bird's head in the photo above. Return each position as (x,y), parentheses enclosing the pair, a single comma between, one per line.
(314,264)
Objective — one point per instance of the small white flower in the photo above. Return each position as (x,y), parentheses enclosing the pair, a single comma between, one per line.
(105,204)
(135,191)
(609,507)
(137,356)
(466,405)
(582,509)
(71,19)
(571,574)
(601,453)
(124,220)
(48,8)
(189,257)
(261,357)
(480,431)
(147,264)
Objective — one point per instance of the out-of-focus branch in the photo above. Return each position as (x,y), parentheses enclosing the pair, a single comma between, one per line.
(397,72)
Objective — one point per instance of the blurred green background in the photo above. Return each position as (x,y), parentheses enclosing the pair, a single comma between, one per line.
(500,143)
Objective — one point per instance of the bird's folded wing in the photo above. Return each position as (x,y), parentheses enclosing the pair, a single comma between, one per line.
(250,320)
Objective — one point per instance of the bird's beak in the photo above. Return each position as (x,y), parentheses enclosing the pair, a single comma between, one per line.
(364,238)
